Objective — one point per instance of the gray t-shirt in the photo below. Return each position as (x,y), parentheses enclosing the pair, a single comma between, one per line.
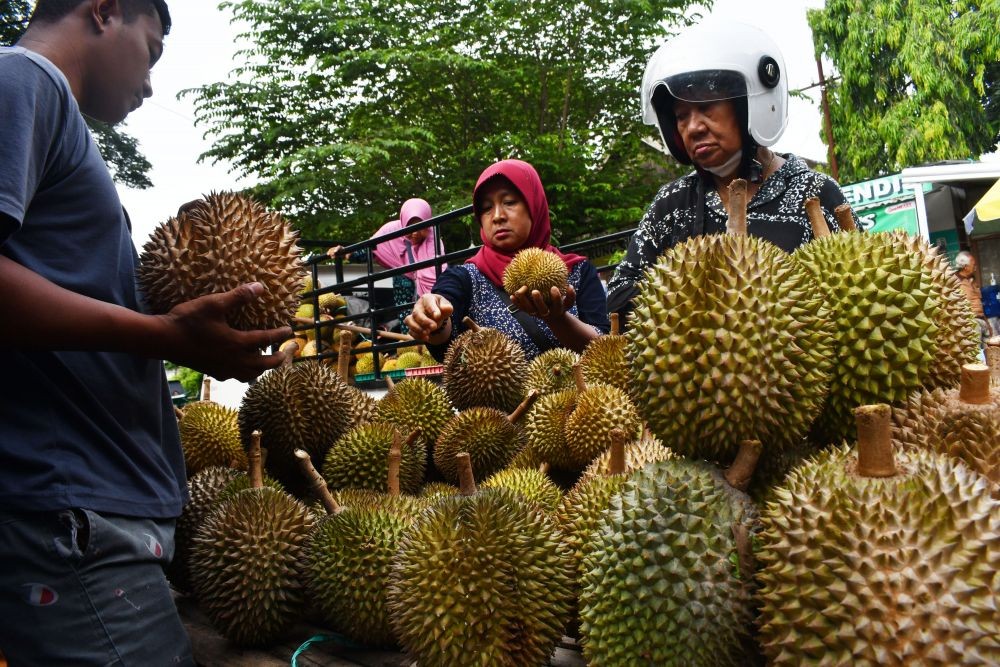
(77,429)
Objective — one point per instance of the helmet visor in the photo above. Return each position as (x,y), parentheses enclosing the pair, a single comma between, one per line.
(710,85)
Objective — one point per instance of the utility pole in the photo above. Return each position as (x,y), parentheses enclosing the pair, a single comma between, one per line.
(831,148)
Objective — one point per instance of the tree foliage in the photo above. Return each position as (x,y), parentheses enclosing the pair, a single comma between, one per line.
(121,151)
(918,81)
(345,108)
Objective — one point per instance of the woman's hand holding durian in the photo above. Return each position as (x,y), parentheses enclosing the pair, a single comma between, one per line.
(430,320)
(552,310)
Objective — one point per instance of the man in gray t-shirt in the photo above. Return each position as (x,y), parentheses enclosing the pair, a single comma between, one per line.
(91,471)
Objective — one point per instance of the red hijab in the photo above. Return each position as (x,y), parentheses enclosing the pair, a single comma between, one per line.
(491,262)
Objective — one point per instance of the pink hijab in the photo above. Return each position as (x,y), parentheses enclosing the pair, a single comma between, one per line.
(398,252)
(492,262)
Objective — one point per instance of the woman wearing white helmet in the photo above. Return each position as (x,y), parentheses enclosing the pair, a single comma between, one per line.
(719,96)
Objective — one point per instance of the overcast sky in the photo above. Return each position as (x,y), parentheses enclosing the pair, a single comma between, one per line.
(202,44)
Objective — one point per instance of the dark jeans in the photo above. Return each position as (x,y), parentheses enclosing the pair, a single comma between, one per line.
(80,588)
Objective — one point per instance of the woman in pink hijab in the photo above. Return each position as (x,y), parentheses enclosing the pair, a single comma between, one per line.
(405,250)
(513,213)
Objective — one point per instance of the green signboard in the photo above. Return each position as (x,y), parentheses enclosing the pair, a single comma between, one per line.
(884,204)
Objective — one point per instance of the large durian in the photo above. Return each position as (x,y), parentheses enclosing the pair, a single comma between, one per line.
(536,269)
(246,561)
(552,370)
(484,368)
(875,558)
(729,341)
(885,307)
(604,359)
(481,579)
(668,573)
(224,241)
(300,406)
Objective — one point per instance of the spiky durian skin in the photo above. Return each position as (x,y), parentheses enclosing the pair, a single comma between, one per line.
(359,459)
(884,307)
(599,410)
(365,364)
(363,407)
(580,513)
(484,368)
(538,270)
(331,302)
(408,360)
(902,570)
(204,488)
(481,580)
(604,361)
(486,434)
(533,485)
(545,428)
(210,436)
(246,565)
(225,241)
(662,581)
(303,406)
(542,373)
(416,403)
(728,342)
(435,490)
(348,562)
(241,482)
(957,341)
(638,453)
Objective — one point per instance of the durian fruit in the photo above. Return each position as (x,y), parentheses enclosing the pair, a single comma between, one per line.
(358,459)
(408,360)
(427,360)
(225,241)
(963,422)
(668,573)
(246,561)
(604,358)
(957,340)
(480,579)
(363,407)
(436,490)
(210,437)
(532,485)
(545,428)
(729,341)
(876,557)
(390,364)
(536,269)
(490,437)
(416,403)
(301,406)
(484,368)
(639,452)
(599,409)
(331,302)
(552,370)
(885,307)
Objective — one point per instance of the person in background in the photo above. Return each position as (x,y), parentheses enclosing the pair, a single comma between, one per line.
(513,213)
(91,468)
(965,271)
(718,93)
(415,247)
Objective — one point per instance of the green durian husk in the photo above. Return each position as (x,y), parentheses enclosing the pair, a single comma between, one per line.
(359,459)
(485,368)
(552,371)
(210,436)
(486,434)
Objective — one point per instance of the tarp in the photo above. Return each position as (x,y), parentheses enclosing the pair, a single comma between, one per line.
(984,218)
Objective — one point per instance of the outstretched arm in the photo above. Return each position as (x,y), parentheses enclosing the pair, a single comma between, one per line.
(38,314)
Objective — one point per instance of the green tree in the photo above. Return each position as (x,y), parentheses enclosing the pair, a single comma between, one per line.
(121,152)
(918,81)
(344,108)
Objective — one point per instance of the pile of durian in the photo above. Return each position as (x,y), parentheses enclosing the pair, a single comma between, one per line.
(785,458)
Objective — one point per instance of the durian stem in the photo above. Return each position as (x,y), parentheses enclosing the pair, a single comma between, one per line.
(178,413)
(544,467)
(206,389)
(581,384)
(391,335)
(875,457)
(819,227)
(466,480)
(255,465)
(525,405)
(845,218)
(736,225)
(616,324)
(616,466)
(740,472)
(975,388)
(317,484)
(470,324)
(344,355)
(390,383)
(744,551)
(993,356)
(395,459)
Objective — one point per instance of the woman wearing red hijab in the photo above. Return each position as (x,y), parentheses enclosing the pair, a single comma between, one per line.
(513,213)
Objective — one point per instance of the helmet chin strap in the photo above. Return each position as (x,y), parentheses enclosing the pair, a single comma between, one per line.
(727,168)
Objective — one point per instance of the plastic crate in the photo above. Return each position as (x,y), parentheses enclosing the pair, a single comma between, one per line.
(991,300)
(366,377)
(424,370)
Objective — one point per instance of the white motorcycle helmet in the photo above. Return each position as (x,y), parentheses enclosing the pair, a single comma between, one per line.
(717,60)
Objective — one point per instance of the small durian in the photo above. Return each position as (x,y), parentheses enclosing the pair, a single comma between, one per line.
(638,453)
(210,436)
(598,410)
(552,370)
(536,269)
(331,302)
(532,485)
(435,490)
(416,403)
(224,241)
(604,359)
(408,360)
(358,459)
(545,429)
(484,368)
